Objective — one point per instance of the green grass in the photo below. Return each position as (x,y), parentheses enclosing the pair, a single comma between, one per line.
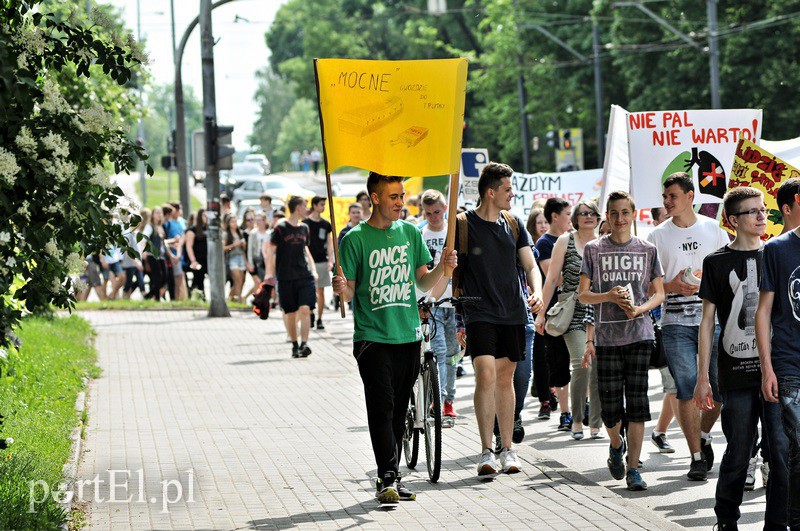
(157,187)
(38,389)
(121,304)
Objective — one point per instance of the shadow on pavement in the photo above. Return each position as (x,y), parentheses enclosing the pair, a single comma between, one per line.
(254,362)
(355,513)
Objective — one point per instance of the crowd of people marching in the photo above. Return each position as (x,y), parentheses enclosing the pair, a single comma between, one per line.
(578,309)
(175,264)
(574,309)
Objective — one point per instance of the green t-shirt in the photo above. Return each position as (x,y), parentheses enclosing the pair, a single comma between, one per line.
(383,264)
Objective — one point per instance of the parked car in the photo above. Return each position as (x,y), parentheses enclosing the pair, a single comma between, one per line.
(262,160)
(255,204)
(241,172)
(277,187)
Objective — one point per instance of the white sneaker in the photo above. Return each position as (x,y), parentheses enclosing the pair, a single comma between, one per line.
(750,480)
(510,461)
(487,464)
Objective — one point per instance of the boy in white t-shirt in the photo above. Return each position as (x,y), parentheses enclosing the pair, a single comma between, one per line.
(683,242)
(444,343)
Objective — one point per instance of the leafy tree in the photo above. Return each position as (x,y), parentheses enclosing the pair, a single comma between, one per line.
(120,100)
(644,66)
(364,29)
(57,204)
(299,129)
(275,98)
(159,118)
(662,72)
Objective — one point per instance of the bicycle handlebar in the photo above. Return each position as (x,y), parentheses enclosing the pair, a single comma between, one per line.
(427,304)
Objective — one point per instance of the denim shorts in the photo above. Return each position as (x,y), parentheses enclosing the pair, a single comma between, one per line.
(680,346)
(236,262)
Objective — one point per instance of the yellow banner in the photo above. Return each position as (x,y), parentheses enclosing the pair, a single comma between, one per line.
(393,117)
(758,168)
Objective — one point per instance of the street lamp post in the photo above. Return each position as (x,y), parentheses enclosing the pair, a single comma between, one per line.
(180,117)
(140,131)
(217,306)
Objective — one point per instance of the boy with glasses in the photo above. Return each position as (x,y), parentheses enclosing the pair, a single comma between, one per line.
(729,290)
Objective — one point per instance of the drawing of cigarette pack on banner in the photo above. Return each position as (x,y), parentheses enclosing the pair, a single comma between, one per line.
(411,136)
(362,121)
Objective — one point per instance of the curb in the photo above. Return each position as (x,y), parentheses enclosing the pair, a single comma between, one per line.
(70,468)
(249,309)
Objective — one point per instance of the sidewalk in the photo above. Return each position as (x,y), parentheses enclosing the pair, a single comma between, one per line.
(216,414)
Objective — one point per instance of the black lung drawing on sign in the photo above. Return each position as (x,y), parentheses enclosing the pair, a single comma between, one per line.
(710,173)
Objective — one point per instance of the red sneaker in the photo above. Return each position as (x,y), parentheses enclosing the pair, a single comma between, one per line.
(448,409)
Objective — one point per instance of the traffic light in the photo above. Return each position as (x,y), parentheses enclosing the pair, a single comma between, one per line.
(222,146)
(171,143)
(551,138)
(170,161)
(565,139)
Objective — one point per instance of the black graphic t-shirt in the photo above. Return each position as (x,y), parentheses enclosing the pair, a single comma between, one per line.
(318,238)
(290,256)
(730,281)
(781,275)
(491,271)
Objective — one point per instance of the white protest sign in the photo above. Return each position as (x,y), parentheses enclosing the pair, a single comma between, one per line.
(574,186)
(701,143)
(617,165)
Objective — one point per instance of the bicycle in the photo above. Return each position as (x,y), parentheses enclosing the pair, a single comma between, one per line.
(424,413)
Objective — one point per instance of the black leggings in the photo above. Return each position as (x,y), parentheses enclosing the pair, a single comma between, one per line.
(133,279)
(541,372)
(158,277)
(557,360)
(199,279)
(388,373)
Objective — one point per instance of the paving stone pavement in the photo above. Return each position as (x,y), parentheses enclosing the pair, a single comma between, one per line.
(216,414)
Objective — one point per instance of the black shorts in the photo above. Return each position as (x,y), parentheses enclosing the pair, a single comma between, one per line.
(292,294)
(558,360)
(500,341)
(622,374)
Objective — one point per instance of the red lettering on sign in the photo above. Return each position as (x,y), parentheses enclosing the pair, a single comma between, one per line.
(642,120)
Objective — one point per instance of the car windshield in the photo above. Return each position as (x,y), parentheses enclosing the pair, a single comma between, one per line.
(274,185)
(247,169)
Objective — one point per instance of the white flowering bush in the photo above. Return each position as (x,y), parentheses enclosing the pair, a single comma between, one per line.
(57,202)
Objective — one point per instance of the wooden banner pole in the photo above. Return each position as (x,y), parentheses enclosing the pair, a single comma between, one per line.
(452,211)
(334,234)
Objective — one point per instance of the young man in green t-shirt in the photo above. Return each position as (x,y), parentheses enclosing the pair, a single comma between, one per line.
(381,260)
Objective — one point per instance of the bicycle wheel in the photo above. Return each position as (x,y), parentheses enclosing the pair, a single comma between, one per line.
(411,436)
(433,420)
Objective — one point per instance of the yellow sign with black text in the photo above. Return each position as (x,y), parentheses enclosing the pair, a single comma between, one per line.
(394,117)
